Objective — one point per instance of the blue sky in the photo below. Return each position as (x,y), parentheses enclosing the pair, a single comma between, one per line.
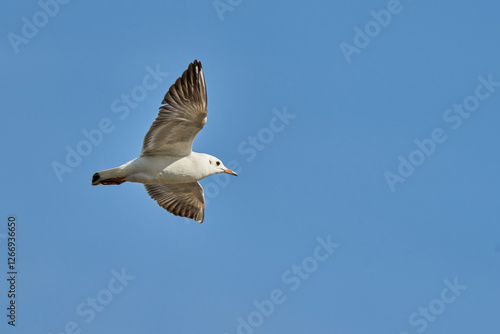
(365,135)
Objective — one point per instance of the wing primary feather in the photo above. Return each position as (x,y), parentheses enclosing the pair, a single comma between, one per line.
(182,115)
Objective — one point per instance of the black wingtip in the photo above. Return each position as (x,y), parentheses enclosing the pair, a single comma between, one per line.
(196,63)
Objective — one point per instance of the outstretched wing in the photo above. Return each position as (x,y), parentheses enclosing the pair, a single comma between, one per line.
(181,199)
(182,115)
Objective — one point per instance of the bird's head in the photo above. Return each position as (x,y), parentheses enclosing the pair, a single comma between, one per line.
(216,166)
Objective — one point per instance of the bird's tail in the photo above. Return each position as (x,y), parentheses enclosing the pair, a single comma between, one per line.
(109,176)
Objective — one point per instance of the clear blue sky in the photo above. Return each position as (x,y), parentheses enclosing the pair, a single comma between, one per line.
(365,135)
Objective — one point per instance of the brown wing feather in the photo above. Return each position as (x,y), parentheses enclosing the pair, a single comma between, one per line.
(181,199)
(182,115)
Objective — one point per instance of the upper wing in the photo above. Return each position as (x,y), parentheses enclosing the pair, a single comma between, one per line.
(182,115)
(181,199)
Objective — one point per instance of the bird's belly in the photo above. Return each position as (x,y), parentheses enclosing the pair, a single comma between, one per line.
(174,176)
(158,169)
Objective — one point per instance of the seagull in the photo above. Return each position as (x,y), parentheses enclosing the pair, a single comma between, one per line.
(167,166)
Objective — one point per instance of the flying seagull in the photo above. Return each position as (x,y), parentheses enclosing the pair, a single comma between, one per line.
(167,166)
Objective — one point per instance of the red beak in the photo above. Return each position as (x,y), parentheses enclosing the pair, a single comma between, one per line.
(228,171)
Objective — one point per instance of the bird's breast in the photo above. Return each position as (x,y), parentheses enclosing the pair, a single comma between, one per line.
(166,169)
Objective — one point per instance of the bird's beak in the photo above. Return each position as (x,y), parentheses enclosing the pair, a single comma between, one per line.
(228,171)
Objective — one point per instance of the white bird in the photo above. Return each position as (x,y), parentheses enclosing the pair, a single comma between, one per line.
(167,166)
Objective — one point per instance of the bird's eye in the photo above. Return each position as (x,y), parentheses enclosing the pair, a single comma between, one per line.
(217,163)
(210,161)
